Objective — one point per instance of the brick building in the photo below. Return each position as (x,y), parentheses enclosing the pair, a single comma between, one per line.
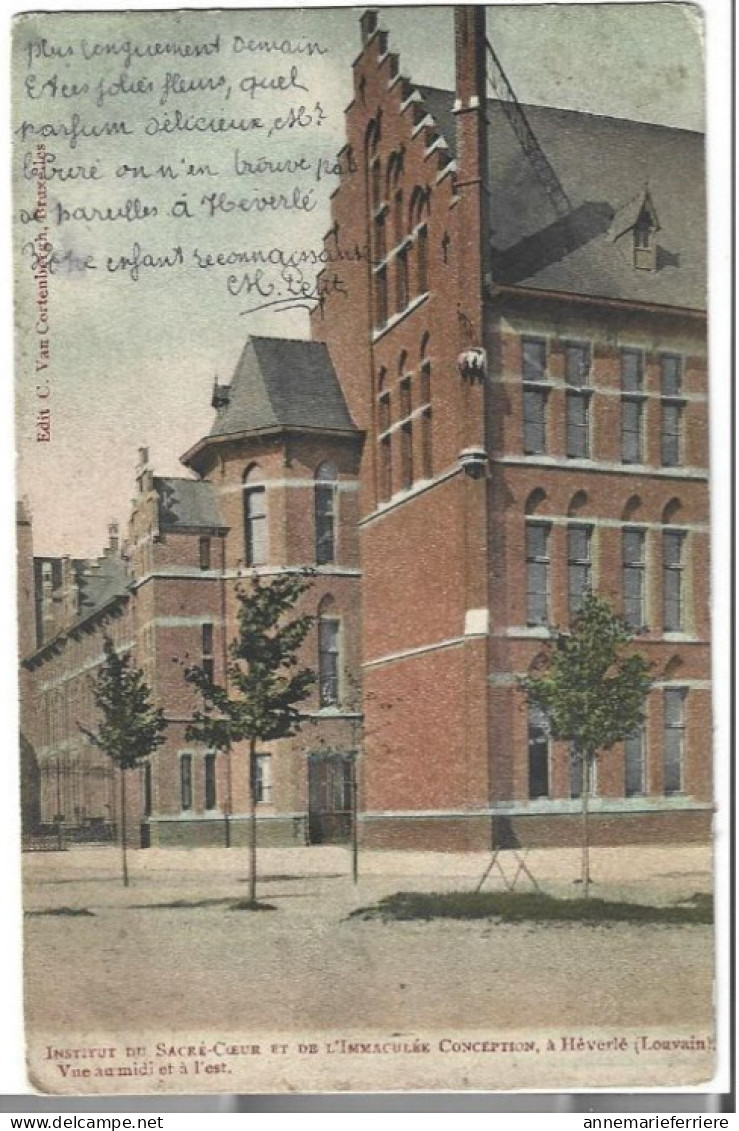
(504,406)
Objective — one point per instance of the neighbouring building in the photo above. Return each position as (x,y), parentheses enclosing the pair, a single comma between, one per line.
(504,406)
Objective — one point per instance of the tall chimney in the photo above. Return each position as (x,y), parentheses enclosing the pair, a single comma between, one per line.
(472,148)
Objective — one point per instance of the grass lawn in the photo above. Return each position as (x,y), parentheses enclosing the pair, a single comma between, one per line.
(532,906)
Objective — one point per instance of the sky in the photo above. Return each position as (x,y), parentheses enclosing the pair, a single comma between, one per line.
(133,359)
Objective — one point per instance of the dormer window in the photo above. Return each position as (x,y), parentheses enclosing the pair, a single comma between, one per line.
(637,221)
(645,246)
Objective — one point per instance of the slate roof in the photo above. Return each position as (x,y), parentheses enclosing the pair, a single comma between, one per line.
(99,581)
(283,383)
(187,504)
(603,164)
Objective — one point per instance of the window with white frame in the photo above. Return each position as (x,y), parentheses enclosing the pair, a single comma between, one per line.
(672,405)
(673,543)
(263,779)
(537,573)
(674,748)
(255,518)
(579,565)
(635,763)
(634,572)
(534,356)
(326,498)
(577,774)
(538,740)
(329,661)
(577,406)
(632,406)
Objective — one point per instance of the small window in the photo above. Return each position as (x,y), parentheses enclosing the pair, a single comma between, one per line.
(186,781)
(538,753)
(671,374)
(537,573)
(207,639)
(632,430)
(328,661)
(534,421)
(671,438)
(427,467)
(577,365)
(635,767)
(204,547)
(633,546)
(405,397)
(383,413)
(402,281)
(380,238)
(534,351)
(211,798)
(263,779)
(632,370)
(672,579)
(325,513)
(578,425)
(674,751)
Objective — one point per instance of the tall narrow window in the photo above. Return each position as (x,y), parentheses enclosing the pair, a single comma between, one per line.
(425,394)
(255,520)
(534,355)
(204,551)
(328,661)
(534,421)
(577,376)
(579,565)
(633,544)
(538,753)
(186,781)
(386,468)
(422,260)
(632,406)
(537,573)
(326,496)
(635,767)
(401,281)
(380,238)
(673,542)
(671,379)
(383,414)
(398,217)
(406,455)
(210,781)
(674,752)
(207,650)
(380,297)
(148,790)
(263,779)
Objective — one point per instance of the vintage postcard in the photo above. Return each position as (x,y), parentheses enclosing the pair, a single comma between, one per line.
(364,538)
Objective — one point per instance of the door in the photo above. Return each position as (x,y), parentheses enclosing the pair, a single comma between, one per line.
(330,798)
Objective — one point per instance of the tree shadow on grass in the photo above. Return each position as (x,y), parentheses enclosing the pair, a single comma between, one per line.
(70,911)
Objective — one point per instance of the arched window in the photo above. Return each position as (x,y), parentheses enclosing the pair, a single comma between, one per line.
(326,496)
(255,517)
(329,654)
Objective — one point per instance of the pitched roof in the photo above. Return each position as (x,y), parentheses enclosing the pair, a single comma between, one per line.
(187,504)
(283,383)
(99,580)
(603,164)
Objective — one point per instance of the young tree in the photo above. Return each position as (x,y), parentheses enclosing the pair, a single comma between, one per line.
(592,689)
(263,683)
(131,728)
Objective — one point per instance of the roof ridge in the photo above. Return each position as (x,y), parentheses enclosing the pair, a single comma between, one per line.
(569,110)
